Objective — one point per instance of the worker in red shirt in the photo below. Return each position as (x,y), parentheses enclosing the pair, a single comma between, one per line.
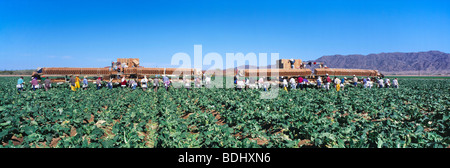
(327,82)
(300,82)
(123,83)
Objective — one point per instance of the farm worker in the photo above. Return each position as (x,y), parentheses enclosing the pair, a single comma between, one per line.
(251,83)
(34,83)
(285,84)
(77,82)
(119,66)
(85,83)
(260,82)
(155,84)
(343,83)
(305,83)
(380,83)
(187,84)
(369,83)
(387,83)
(365,82)
(334,81)
(240,84)
(207,81)
(293,83)
(319,82)
(133,84)
(20,84)
(327,82)
(198,83)
(72,83)
(98,82)
(300,82)
(47,83)
(292,61)
(247,83)
(266,85)
(110,84)
(166,82)
(144,82)
(123,82)
(395,83)
(355,80)
(337,83)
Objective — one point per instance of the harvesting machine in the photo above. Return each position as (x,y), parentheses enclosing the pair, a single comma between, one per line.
(124,67)
(130,68)
(288,68)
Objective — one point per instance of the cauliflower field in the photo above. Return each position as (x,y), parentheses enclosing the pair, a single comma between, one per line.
(414,116)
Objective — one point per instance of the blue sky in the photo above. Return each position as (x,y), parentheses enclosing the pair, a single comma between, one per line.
(93,33)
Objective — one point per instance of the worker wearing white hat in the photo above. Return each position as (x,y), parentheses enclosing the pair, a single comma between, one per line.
(337,83)
(293,83)
(285,84)
(319,82)
(123,82)
(85,83)
(327,82)
(110,84)
(144,82)
(355,80)
(387,83)
(369,83)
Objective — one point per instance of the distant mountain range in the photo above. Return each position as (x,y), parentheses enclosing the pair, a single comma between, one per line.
(395,63)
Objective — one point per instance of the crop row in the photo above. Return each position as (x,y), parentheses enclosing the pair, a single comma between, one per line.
(415,115)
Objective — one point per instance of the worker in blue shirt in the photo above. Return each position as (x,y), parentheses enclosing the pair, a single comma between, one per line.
(343,83)
(365,83)
(85,83)
(20,84)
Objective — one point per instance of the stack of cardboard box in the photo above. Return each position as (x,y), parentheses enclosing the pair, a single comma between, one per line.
(286,64)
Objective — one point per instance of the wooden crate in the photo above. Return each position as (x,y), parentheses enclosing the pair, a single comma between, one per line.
(286,64)
(131,62)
